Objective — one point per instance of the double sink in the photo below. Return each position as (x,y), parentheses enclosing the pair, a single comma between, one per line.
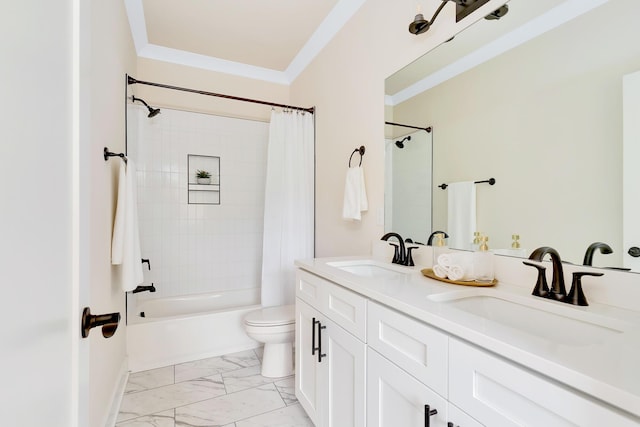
(550,320)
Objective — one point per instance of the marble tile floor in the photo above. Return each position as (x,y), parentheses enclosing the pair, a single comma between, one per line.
(225,391)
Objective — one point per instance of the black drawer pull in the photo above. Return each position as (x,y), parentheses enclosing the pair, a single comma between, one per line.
(320,354)
(313,336)
(428,412)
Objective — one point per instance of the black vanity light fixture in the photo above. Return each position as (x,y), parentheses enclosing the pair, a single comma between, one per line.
(152,111)
(463,9)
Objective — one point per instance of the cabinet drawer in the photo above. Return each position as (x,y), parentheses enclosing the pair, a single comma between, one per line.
(346,308)
(417,348)
(309,288)
(497,392)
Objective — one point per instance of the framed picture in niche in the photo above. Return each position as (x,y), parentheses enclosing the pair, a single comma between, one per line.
(204,179)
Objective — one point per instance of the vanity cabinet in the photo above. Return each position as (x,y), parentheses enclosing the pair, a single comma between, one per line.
(500,393)
(395,398)
(359,362)
(330,352)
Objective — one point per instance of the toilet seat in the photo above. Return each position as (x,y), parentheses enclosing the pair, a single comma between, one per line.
(272,316)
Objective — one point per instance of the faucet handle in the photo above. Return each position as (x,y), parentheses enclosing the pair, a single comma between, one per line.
(396,253)
(576,296)
(409,261)
(541,289)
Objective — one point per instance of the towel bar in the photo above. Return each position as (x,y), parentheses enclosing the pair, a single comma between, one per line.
(108,154)
(490,181)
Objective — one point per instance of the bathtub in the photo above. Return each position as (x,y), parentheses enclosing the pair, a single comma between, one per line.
(171,330)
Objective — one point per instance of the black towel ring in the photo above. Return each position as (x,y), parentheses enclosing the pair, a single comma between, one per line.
(357,150)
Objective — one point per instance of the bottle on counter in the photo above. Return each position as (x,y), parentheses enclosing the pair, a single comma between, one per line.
(475,245)
(483,262)
(439,247)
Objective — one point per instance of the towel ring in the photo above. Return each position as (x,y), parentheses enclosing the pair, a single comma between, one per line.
(357,150)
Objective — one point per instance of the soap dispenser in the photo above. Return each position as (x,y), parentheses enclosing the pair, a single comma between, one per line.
(475,245)
(439,247)
(483,269)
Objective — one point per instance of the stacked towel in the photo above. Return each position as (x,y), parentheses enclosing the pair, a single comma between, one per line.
(454,266)
(125,243)
(355,195)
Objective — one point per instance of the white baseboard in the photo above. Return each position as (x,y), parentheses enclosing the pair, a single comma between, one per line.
(118,393)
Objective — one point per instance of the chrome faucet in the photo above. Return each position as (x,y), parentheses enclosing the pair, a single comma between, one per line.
(558,290)
(588,255)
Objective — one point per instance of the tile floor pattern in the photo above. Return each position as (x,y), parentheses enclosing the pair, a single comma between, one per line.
(225,391)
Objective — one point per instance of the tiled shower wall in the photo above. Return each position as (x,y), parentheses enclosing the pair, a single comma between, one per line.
(198,248)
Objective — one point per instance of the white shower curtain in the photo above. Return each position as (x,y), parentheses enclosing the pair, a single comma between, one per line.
(288,206)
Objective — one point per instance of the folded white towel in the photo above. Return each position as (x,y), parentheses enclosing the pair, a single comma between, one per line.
(456,273)
(355,195)
(125,243)
(440,271)
(459,265)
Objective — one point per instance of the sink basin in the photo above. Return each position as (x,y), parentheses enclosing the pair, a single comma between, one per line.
(547,320)
(369,268)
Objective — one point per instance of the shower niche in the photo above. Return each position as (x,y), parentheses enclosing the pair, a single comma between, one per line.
(203,180)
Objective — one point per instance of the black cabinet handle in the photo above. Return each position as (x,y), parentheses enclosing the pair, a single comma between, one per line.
(634,251)
(320,354)
(313,336)
(428,412)
(450,424)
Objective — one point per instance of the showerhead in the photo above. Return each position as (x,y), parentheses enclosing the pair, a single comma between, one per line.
(400,144)
(152,111)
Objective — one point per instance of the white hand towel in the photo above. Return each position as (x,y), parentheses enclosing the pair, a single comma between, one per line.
(456,273)
(125,243)
(461,214)
(355,196)
(440,271)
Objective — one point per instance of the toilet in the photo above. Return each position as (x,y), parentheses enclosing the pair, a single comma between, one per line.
(275,327)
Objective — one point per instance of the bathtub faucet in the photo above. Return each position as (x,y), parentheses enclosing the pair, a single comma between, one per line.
(149,288)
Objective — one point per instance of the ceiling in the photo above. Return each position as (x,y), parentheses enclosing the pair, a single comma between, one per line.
(266,40)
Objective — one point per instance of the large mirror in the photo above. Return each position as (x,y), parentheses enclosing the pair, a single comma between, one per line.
(534,100)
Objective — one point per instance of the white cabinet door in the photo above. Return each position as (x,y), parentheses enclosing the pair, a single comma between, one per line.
(344,375)
(458,418)
(500,393)
(330,370)
(307,379)
(395,398)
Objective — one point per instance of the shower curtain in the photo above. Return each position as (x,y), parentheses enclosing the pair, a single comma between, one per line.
(288,206)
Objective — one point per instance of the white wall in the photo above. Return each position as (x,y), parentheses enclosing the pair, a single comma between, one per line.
(346,84)
(111,56)
(198,248)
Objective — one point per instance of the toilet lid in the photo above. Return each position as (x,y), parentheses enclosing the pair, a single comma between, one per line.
(272,316)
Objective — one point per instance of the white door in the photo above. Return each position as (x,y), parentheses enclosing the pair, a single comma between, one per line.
(395,398)
(631,169)
(344,372)
(42,214)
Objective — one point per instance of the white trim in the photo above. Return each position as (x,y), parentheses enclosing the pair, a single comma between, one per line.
(334,21)
(547,21)
(118,394)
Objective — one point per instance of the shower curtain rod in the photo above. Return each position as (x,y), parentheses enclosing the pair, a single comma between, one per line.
(427,129)
(131,80)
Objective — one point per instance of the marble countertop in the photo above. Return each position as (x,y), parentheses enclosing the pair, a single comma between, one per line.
(605,366)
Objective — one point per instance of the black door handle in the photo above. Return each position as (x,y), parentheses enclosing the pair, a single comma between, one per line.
(313,336)
(428,412)
(634,251)
(320,354)
(109,323)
